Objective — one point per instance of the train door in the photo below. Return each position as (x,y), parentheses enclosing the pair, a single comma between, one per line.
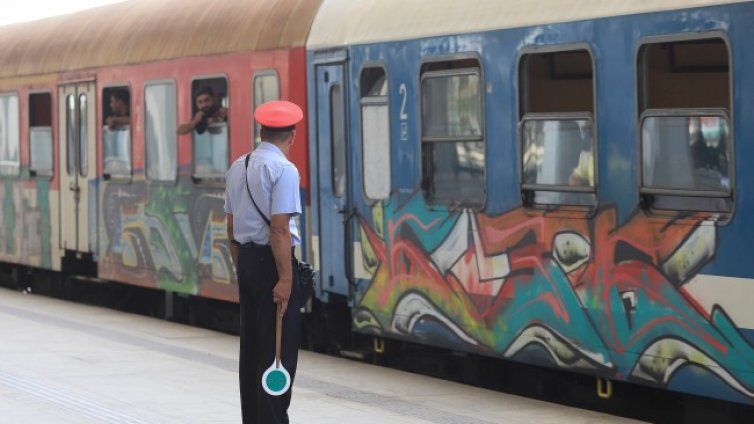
(332,175)
(76,124)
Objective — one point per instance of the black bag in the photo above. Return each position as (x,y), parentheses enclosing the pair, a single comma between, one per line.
(307,274)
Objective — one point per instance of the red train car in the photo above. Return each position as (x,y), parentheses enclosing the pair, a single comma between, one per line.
(134,202)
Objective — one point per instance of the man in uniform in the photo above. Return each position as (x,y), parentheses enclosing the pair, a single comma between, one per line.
(262,240)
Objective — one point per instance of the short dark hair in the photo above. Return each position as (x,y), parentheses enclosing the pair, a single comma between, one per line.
(121,94)
(205,89)
(274,135)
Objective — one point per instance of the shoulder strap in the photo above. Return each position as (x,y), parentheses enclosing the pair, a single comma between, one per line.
(246,177)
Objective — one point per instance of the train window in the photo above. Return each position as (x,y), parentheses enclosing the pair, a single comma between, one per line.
(10,163)
(453,150)
(40,134)
(160,131)
(266,88)
(83,136)
(70,118)
(116,133)
(557,130)
(375,129)
(685,129)
(338,141)
(211,135)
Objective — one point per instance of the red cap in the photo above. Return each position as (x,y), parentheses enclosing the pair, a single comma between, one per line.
(278,114)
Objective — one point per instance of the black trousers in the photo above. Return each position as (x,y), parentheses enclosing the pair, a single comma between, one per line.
(257,275)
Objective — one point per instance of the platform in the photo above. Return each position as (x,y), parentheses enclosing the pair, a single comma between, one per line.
(68,363)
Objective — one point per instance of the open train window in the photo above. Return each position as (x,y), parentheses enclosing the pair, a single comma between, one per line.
(266,87)
(40,134)
(160,131)
(452,133)
(211,134)
(10,160)
(375,133)
(686,135)
(116,132)
(558,160)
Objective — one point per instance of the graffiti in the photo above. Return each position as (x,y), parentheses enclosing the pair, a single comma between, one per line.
(26,230)
(8,219)
(583,294)
(167,237)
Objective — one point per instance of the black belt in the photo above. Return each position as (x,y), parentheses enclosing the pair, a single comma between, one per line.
(252,245)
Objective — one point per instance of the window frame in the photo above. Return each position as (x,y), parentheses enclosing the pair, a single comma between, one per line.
(522,96)
(33,173)
(17,174)
(375,101)
(333,117)
(557,188)
(254,76)
(209,179)
(83,124)
(645,194)
(478,70)
(106,101)
(72,137)
(146,85)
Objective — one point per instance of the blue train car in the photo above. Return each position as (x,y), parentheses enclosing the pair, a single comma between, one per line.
(560,184)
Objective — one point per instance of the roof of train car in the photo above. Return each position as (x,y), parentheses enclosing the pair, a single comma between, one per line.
(138,31)
(343,22)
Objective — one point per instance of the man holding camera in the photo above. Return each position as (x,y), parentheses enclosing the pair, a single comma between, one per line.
(207,112)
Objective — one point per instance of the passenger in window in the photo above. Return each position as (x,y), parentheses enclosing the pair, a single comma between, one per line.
(120,111)
(209,111)
(715,133)
(699,149)
(708,139)
(583,173)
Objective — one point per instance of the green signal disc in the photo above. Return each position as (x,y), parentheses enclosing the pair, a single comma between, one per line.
(276,381)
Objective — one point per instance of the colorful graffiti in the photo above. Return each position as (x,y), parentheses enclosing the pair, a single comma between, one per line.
(583,294)
(168,237)
(26,230)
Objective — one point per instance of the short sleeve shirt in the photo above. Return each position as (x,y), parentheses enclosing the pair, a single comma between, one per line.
(274,182)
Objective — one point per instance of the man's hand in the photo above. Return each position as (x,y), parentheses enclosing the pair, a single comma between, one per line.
(198,117)
(220,116)
(281,293)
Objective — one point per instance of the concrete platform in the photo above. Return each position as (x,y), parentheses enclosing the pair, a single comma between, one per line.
(62,363)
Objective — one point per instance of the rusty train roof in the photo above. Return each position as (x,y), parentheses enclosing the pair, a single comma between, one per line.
(138,31)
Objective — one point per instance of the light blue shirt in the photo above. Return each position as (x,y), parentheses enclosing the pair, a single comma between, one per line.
(274,182)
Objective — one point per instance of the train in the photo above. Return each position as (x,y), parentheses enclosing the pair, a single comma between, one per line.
(552,183)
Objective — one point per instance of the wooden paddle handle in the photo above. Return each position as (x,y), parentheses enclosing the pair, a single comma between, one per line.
(278,333)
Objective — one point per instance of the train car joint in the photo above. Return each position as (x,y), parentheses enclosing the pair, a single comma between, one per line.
(604,388)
